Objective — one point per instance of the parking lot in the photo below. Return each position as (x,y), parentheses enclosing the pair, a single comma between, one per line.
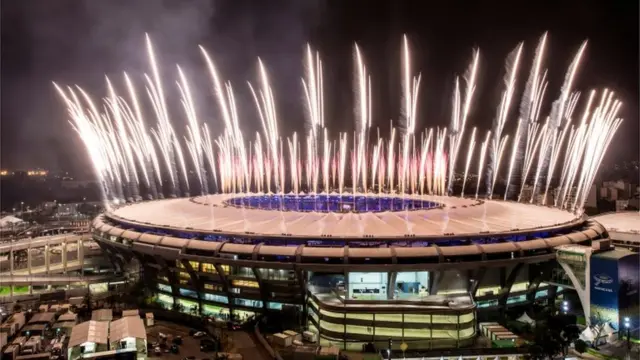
(189,347)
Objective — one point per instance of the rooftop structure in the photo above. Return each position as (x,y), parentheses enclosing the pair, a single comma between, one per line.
(621,222)
(43,318)
(102,315)
(96,332)
(452,216)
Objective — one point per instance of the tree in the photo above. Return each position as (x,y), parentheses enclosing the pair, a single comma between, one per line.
(553,335)
(597,322)
(88,301)
(580,346)
(17,308)
(536,352)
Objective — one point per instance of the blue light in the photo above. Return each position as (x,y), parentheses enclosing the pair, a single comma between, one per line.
(330,203)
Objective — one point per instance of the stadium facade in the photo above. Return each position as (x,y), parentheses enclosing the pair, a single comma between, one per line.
(423,270)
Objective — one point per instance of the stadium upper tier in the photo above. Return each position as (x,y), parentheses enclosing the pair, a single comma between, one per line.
(621,222)
(425,217)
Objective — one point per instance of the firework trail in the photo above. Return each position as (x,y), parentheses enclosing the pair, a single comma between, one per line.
(499,142)
(165,135)
(226,102)
(362,109)
(460,114)
(312,84)
(481,163)
(194,139)
(558,144)
(529,113)
(265,104)
(410,89)
(472,145)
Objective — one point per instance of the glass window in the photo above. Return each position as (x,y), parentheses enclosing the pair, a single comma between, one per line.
(188,293)
(276,274)
(248,302)
(245,272)
(542,293)
(218,312)
(208,268)
(465,318)
(215,298)
(367,286)
(164,287)
(245,283)
(411,284)
(214,287)
(225,269)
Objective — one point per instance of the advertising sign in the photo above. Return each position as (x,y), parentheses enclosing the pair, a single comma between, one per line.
(605,286)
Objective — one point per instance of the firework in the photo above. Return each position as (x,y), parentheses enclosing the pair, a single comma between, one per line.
(134,154)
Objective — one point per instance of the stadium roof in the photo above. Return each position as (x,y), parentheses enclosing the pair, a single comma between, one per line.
(459,216)
(628,221)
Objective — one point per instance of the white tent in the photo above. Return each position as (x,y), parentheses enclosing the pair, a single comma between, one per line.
(610,332)
(10,220)
(526,319)
(587,335)
(608,329)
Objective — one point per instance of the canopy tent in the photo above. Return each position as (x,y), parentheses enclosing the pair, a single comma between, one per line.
(526,319)
(610,332)
(10,220)
(608,329)
(587,335)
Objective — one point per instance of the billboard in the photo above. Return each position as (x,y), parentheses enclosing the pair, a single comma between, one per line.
(629,303)
(605,286)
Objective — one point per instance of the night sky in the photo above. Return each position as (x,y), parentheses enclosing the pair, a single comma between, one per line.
(78,42)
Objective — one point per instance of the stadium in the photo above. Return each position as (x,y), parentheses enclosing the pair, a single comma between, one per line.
(423,270)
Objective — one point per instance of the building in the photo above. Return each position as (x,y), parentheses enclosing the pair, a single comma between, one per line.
(623,228)
(102,315)
(65,323)
(39,323)
(97,339)
(128,333)
(450,261)
(87,338)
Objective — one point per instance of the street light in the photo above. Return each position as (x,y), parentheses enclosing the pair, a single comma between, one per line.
(627,325)
(565,307)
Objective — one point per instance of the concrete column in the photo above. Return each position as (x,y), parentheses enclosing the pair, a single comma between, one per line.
(391,284)
(64,256)
(11,264)
(46,258)
(29,259)
(81,255)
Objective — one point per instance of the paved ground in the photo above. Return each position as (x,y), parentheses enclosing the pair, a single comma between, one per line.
(240,342)
(189,347)
(246,344)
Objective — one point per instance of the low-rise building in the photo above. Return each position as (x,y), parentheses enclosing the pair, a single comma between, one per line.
(128,333)
(102,315)
(87,338)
